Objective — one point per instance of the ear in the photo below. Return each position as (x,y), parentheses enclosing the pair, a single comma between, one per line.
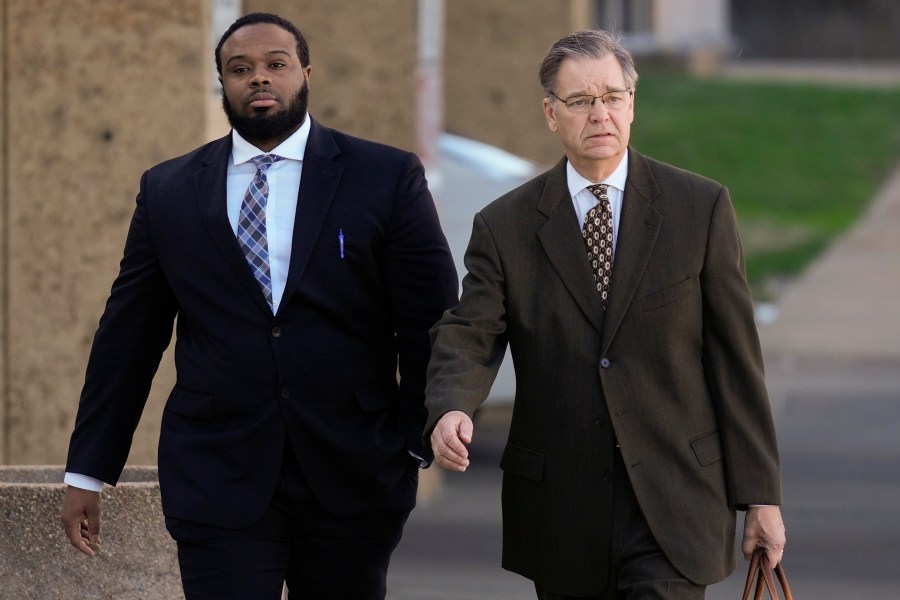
(550,114)
(307,73)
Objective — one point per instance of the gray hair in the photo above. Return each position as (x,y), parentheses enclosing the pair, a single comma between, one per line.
(586,45)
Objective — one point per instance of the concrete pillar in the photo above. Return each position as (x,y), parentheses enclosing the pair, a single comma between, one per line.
(4,267)
(93,93)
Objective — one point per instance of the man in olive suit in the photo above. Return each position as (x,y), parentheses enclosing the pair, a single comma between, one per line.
(641,421)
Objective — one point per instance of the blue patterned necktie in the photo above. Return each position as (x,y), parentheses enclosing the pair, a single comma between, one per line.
(251,229)
(598,238)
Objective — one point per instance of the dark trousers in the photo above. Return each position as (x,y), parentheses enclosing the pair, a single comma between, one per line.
(640,570)
(320,556)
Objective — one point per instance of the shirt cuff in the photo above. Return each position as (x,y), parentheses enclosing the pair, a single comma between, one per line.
(83,482)
(422,462)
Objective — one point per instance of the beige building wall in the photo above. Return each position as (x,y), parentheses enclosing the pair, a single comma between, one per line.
(95,92)
(493,53)
(363,56)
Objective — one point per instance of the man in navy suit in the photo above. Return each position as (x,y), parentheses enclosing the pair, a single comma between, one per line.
(302,268)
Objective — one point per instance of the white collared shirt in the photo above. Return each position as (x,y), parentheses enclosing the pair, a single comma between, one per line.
(584,200)
(281,208)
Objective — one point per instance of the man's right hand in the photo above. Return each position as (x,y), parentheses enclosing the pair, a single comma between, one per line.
(81,519)
(449,439)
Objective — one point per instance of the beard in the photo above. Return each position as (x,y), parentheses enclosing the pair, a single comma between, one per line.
(266,127)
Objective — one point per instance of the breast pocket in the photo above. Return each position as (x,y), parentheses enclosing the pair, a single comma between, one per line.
(668,296)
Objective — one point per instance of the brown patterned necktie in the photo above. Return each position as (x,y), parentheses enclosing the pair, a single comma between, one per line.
(598,238)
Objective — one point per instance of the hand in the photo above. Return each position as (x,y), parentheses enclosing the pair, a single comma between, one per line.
(449,439)
(81,519)
(764,528)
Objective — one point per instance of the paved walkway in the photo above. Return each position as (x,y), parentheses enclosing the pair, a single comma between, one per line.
(845,306)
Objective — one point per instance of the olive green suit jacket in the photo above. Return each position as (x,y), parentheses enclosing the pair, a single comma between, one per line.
(671,371)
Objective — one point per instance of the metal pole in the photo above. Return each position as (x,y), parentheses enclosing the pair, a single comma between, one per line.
(430,81)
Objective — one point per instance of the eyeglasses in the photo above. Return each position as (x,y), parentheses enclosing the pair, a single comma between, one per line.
(583,103)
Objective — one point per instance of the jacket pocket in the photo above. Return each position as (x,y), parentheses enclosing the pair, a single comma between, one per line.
(707,448)
(523,462)
(191,404)
(668,295)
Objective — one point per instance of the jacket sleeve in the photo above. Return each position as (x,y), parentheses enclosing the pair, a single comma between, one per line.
(422,283)
(733,366)
(134,331)
(469,342)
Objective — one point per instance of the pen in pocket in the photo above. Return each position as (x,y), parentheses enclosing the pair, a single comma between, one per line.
(341,242)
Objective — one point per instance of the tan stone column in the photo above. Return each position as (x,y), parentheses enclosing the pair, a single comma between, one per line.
(94,92)
(4,207)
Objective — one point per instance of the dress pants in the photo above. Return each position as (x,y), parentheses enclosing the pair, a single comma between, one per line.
(319,555)
(640,570)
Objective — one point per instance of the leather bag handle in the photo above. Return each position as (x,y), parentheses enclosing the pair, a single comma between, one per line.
(760,579)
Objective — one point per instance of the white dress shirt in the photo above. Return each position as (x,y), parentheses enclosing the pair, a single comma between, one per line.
(584,200)
(284,186)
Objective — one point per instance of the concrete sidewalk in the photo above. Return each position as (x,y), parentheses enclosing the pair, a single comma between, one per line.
(844,309)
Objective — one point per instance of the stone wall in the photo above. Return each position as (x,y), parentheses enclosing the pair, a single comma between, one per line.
(96,92)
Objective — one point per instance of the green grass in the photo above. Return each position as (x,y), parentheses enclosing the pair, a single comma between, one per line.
(801,161)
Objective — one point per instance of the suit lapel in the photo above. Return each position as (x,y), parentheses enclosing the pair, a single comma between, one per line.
(210,189)
(639,228)
(564,246)
(318,185)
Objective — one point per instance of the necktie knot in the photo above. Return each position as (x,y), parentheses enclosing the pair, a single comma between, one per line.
(264,161)
(600,191)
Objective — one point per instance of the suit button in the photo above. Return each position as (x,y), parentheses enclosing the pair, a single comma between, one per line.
(276,332)
(604,362)
(599,422)
(606,477)
(285,393)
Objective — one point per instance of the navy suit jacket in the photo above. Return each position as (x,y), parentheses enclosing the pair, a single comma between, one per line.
(322,373)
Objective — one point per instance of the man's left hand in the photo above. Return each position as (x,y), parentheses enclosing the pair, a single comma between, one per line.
(764,528)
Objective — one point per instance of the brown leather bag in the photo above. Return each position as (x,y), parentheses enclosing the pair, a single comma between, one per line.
(759,579)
